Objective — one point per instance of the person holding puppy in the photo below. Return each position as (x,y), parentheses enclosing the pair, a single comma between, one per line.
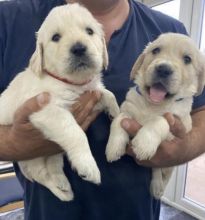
(124,192)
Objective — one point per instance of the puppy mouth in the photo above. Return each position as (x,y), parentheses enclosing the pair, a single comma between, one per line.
(157,93)
(80,65)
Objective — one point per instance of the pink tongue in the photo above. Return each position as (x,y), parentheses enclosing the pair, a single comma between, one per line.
(157,93)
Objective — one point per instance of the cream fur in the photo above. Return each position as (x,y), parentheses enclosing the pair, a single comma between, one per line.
(186,81)
(55,120)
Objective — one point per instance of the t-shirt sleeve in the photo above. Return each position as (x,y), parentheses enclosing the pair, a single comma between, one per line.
(181,28)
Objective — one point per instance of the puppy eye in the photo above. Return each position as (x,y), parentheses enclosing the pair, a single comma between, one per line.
(56,37)
(89,31)
(156,50)
(187,59)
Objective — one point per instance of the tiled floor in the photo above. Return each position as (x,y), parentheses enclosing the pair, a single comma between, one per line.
(15,215)
(167,213)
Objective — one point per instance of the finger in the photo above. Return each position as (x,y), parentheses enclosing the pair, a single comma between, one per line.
(87,109)
(86,99)
(89,120)
(130,152)
(131,126)
(176,126)
(34,104)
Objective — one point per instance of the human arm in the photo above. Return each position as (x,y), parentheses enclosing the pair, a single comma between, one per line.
(183,148)
(22,141)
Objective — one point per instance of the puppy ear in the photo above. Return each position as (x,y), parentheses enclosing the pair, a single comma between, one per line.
(137,66)
(36,61)
(201,76)
(105,54)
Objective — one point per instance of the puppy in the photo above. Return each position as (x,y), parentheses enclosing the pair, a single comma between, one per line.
(167,75)
(70,55)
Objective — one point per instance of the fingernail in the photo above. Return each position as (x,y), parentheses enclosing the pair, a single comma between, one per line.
(43,99)
(125,124)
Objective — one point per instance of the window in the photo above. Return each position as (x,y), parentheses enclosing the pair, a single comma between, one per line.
(202,46)
(195,175)
(5,167)
(171,8)
(195,181)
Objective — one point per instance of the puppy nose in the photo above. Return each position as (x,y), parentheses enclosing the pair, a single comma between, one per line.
(163,71)
(78,49)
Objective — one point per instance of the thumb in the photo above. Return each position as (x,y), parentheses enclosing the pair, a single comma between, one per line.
(32,105)
(131,126)
(176,126)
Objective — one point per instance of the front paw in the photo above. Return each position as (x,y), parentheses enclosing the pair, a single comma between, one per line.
(114,109)
(114,151)
(87,169)
(145,144)
(61,182)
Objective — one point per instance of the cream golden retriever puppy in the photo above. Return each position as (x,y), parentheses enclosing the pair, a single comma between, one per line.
(169,72)
(70,55)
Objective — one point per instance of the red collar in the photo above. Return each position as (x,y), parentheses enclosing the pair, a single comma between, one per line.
(67,81)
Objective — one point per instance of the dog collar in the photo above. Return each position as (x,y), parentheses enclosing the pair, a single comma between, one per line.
(67,81)
(138,91)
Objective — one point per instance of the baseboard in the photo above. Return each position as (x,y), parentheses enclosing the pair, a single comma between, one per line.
(11,206)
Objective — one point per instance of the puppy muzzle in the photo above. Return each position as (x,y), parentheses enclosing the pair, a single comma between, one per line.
(163,74)
(78,49)
(163,71)
(80,60)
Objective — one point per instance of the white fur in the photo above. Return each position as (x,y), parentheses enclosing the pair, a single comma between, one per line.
(55,120)
(185,82)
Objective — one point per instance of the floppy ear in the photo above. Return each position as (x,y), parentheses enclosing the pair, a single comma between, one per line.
(137,65)
(105,54)
(201,76)
(36,61)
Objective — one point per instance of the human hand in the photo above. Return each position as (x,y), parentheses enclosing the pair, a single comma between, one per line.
(82,109)
(25,141)
(169,153)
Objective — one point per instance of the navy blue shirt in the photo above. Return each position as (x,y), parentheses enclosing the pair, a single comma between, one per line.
(124,192)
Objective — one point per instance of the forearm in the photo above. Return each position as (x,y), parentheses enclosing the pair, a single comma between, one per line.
(5,150)
(196,138)
(183,150)
(15,147)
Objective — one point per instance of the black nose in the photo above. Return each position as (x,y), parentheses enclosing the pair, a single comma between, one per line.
(163,71)
(78,49)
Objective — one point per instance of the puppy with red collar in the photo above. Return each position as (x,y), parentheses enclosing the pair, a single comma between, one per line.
(69,58)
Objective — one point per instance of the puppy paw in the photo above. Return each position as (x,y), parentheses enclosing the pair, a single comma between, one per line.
(87,169)
(115,149)
(114,109)
(145,144)
(61,182)
(61,194)
(157,188)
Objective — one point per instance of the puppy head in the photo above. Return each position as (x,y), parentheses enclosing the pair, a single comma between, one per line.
(70,43)
(169,68)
